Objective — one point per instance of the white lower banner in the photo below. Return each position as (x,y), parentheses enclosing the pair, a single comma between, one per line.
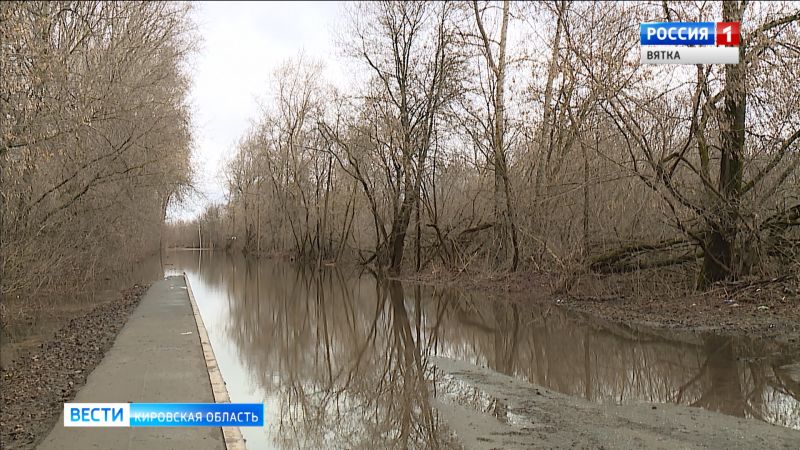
(660,54)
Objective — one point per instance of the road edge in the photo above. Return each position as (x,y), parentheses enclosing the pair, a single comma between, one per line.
(232,436)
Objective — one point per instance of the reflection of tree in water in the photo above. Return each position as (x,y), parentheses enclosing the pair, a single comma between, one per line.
(612,363)
(345,368)
(746,388)
(506,338)
(338,347)
(723,389)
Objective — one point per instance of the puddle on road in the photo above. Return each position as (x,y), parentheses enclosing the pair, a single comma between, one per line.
(342,360)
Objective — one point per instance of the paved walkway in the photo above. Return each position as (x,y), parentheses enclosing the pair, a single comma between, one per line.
(152,360)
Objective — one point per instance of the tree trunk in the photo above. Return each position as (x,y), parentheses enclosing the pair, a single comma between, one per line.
(720,256)
(418,243)
(399,229)
(503,209)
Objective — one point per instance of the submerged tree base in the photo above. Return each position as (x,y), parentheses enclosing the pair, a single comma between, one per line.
(666,298)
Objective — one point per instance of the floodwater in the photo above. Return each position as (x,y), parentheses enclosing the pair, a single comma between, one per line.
(49,307)
(341,359)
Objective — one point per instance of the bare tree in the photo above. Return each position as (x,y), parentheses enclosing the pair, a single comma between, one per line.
(95,136)
(484,129)
(407,46)
(504,210)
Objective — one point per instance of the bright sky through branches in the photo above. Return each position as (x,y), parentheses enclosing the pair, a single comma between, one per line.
(242,44)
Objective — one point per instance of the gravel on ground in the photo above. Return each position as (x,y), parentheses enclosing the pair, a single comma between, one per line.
(37,383)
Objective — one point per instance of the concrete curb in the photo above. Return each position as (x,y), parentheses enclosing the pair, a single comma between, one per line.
(231,435)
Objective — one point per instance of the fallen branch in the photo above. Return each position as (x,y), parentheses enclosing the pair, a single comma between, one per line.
(625,259)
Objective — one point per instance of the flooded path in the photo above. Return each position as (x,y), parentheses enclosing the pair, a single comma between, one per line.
(344,360)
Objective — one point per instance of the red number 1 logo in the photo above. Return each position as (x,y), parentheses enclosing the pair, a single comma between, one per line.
(728,34)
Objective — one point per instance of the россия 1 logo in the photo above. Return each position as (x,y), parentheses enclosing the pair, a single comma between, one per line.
(689,42)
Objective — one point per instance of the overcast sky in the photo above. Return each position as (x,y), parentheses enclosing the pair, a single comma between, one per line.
(242,44)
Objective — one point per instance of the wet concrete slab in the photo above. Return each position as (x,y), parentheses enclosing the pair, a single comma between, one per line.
(157,357)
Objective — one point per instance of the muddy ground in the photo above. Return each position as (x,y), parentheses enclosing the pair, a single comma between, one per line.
(767,309)
(536,417)
(42,372)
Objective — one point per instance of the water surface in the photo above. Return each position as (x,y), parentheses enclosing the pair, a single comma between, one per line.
(340,359)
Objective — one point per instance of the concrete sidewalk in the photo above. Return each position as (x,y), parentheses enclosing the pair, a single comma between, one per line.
(157,357)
